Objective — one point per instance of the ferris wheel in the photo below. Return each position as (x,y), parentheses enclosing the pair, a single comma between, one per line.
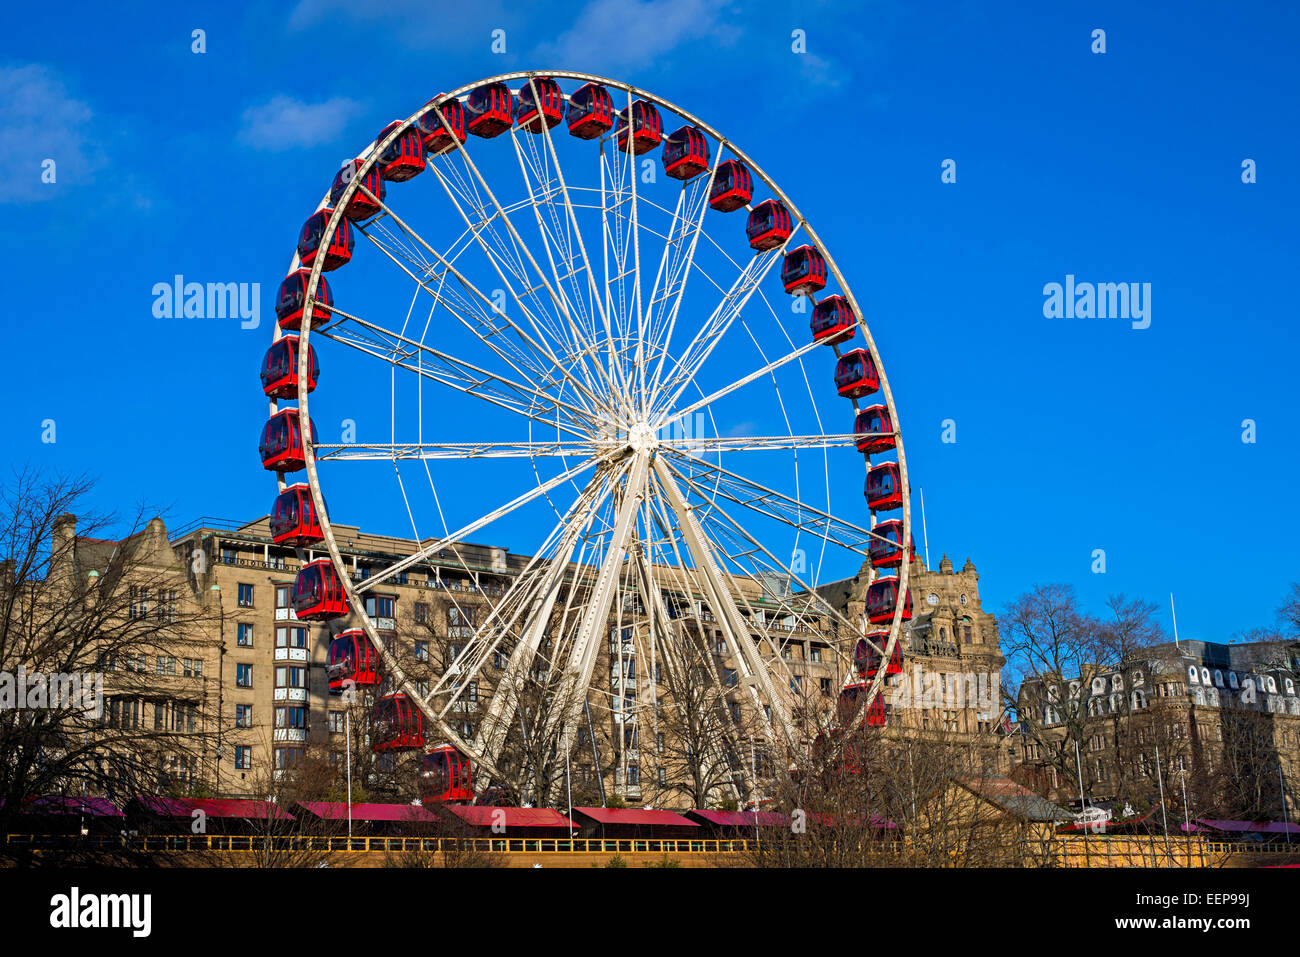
(596,320)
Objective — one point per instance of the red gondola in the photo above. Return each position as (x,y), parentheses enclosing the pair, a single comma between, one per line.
(398,724)
(733,187)
(874,429)
(884,489)
(882,596)
(488,110)
(647,128)
(855,374)
(438,139)
(352,659)
(591,112)
(360,206)
(318,593)
(874,714)
(280,368)
(290,300)
(686,153)
(527,112)
(804,272)
(404,157)
(282,442)
(445,776)
(768,225)
(339,251)
(867,659)
(293,518)
(887,551)
(833,320)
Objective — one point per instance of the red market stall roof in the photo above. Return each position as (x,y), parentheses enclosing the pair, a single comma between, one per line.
(514,817)
(1244,827)
(338,811)
(212,807)
(741,818)
(634,817)
(56,804)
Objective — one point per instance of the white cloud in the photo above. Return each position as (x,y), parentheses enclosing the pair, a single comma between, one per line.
(285,123)
(633,33)
(39,121)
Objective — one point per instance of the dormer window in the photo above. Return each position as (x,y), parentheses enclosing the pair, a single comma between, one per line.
(1192,676)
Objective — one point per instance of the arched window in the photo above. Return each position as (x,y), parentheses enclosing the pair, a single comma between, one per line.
(1218,678)
(1116,682)
(1232,679)
(1205,676)
(1117,702)
(1290,686)
(1139,700)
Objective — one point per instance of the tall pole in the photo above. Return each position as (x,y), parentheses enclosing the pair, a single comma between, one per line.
(1083,804)
(1173,614)
(1282,784)
(753,771)
(568,778)
(347,735)
(1160,779)
(925,535)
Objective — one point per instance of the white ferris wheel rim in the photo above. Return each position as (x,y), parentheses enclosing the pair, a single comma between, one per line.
(369,157)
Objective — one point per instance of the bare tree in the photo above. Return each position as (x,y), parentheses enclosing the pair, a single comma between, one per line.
(111,618)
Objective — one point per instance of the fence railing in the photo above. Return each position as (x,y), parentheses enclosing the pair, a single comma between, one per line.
(493,845)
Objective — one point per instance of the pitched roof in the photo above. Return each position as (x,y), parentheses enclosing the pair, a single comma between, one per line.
(58,804)
(611,815)
(1014,798)
(510,816)
(1242,827)
(212,807)
(741,818)
(338,811)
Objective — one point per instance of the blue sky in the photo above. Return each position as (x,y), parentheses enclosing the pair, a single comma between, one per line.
(1072,434)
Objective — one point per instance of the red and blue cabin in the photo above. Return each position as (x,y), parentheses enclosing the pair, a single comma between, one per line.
(488,110)
(804,272)
(855,374)
(317,592)
(360,207)
(403,159)
(884,487)
(291,300)
(886,551)
(398,725)
(733,187)
(866,657)
(352,659)
(293,518)
(882,598)
(768,225)
(280,368)
(874,429)
(591,112)
(686,153)
(445,776)
(281,447)
(833,320)
(543,111)
(647,128)
(339,250)
(439,139)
